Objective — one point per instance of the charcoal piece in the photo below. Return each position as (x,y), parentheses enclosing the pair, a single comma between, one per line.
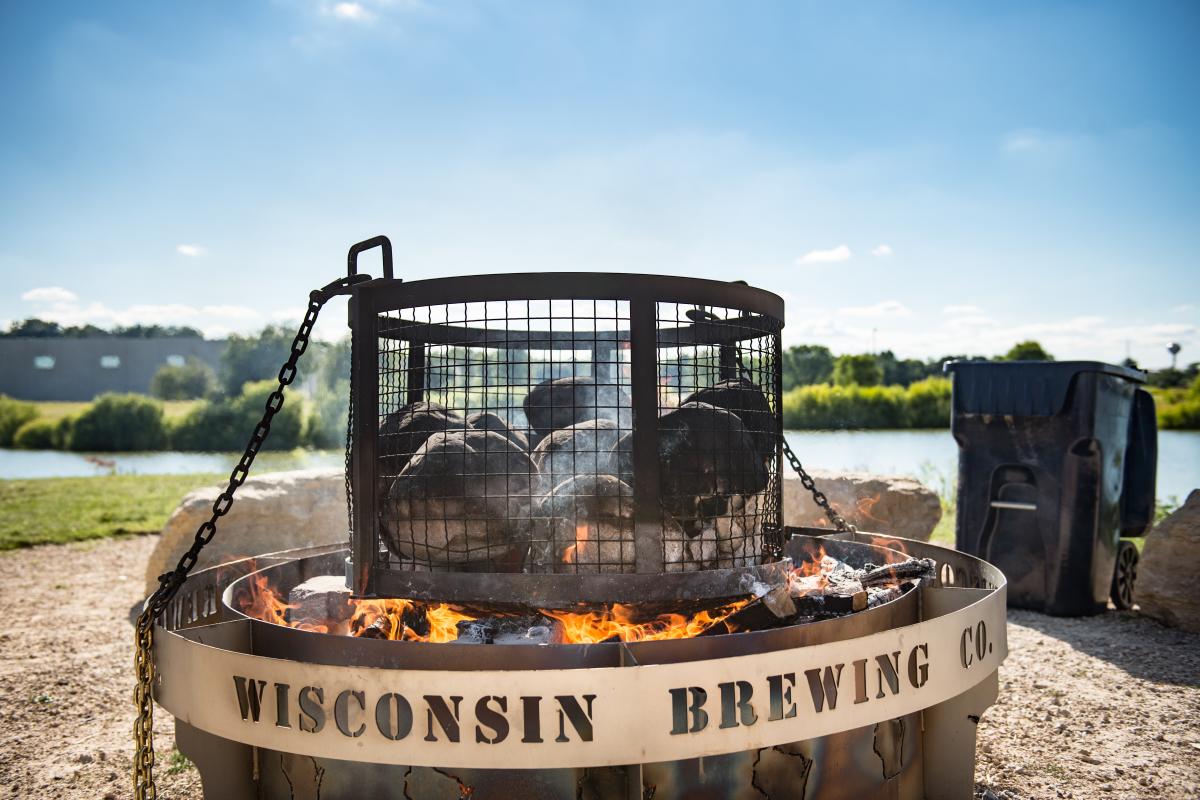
(560,402)
(911,569)
(535,629)
(464,497)
(585,448)
(707,458)
(487,421)
(378,628)
(747,401)
(403,432)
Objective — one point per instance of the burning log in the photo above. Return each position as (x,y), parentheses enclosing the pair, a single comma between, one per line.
(463,497)
(911,569)
(560,402)
(535,629)
(321,604)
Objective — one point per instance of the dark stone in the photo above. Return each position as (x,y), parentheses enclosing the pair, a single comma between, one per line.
(560,402)
(748,402)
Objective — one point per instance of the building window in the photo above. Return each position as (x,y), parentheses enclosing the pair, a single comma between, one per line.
(176,361)
(43,362)
(110,362)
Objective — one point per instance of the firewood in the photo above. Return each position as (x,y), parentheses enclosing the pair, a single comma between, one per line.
(534,629)
(912,569)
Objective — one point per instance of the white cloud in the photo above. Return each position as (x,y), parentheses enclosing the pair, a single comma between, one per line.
(885,308)
(50,294)
(190,250)
(229,312)
(839,253)
(961,310)
(1183,309)
(352,11)
(881,251)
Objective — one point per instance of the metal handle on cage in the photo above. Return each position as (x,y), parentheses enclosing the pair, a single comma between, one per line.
(369,244)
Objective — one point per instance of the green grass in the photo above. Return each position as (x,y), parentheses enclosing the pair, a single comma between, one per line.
(60,510)
(55,410)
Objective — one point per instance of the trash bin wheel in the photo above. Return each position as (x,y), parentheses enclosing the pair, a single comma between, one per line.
(1125,575)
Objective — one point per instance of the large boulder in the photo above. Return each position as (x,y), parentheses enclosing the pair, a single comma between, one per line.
(272,511)
(885,504)
(1166,587)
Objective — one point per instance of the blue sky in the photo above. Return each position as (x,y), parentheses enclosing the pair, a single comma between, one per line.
(933,178)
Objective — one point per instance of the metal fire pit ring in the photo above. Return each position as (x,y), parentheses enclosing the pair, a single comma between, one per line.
(910,738)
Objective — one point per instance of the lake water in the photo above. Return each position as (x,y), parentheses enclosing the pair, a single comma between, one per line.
(931,456)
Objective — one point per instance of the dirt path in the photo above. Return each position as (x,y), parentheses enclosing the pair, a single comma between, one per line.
(66,673)
(1093,708)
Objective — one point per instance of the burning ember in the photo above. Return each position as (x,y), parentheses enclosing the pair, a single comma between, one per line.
(819,587)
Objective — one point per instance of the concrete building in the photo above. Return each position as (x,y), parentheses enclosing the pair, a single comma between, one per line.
(79,369)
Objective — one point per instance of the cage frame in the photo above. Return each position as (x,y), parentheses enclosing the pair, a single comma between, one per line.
(763,316)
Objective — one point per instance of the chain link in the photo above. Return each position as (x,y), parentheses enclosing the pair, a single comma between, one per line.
(169,583)
(839,522)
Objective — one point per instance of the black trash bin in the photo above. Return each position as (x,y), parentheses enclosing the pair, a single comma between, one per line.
(1056,463)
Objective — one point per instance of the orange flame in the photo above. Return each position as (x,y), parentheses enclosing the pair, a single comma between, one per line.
(571,553)
(812,575)
(621,622)
(402,620)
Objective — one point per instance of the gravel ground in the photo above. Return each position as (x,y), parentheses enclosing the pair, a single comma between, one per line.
(1106,707)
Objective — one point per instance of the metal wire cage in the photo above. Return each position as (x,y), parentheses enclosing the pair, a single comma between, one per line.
(576,429)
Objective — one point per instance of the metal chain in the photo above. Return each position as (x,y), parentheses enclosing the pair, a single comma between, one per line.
(169,583)
(806,480)
(818,496)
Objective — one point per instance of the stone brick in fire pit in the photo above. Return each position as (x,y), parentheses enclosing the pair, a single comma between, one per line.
(1166,587)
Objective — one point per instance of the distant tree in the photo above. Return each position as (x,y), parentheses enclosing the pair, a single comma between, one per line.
(860,370)
(254,358)
(34,328)
(157,332)
(1026,351)
(806,364)
(192,380)
(1130,363)
(904,372)
(1168,378)
(41,329)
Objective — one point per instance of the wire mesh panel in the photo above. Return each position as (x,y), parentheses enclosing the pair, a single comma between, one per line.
(718,431)
(614,433)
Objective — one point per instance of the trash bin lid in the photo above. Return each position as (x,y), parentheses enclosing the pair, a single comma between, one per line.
(1022,388)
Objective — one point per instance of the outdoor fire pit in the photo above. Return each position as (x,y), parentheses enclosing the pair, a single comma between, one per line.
(568,577)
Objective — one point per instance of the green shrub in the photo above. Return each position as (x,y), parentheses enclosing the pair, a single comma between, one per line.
(191,380)
(120,422)
(37,434)
(225,424)
(325,425)
(860,370)
(929,403)
(13,414)
(1183,415)
(924,404)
